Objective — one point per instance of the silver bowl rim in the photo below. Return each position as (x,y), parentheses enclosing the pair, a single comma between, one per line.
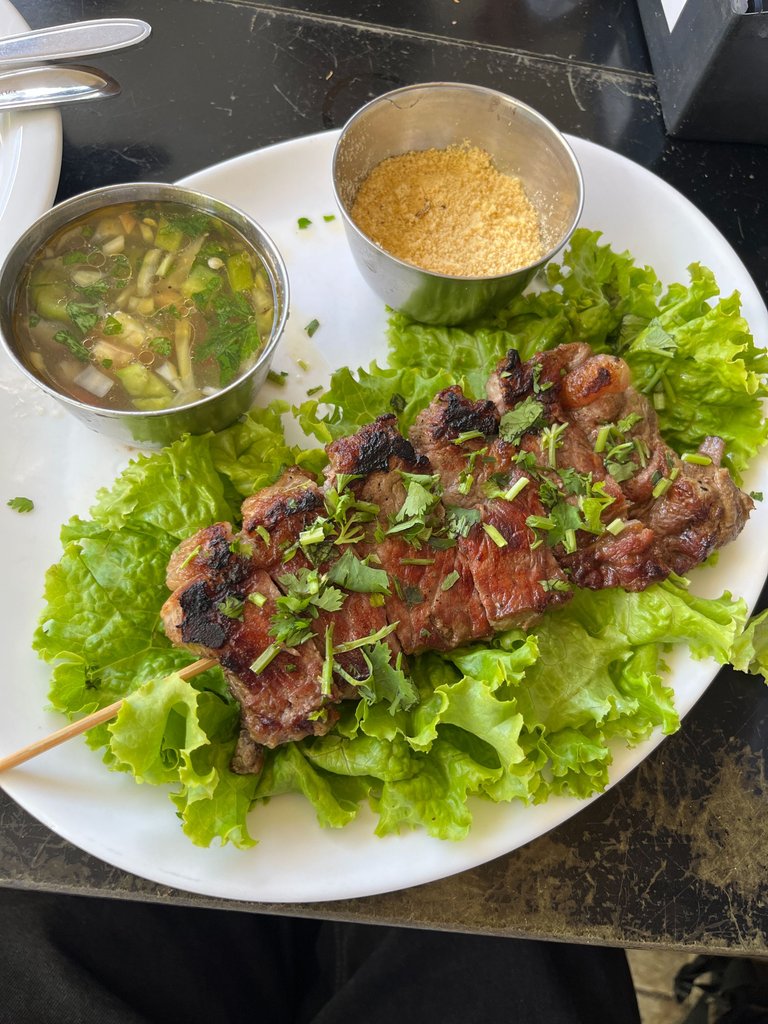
(174,191)
(531,111)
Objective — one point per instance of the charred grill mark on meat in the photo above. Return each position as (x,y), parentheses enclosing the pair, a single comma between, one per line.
(376,448)
(502,533)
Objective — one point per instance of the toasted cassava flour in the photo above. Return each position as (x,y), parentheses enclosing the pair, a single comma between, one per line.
(449,211)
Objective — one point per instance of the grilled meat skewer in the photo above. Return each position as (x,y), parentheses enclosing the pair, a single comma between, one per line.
(477,522)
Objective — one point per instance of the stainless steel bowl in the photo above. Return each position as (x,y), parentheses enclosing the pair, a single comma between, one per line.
(521,143)
(158,427)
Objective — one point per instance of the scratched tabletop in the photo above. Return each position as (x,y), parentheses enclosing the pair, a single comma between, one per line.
(675,855)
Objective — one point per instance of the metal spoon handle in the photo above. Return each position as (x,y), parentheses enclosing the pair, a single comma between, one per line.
(65,42)
(51,85)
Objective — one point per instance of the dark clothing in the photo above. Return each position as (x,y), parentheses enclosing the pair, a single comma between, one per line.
(79,960)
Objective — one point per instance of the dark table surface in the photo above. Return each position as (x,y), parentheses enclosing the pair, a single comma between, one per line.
(677,853)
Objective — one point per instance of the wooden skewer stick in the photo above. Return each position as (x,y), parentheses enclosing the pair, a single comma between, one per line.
(88,722)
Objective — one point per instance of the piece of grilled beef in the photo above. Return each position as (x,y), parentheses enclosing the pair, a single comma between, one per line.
(284,701)
(675,513)
(432,595)
(279,703)
(474,560)
(514,580)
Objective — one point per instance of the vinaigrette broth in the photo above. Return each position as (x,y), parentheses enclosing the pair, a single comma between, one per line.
(143,306)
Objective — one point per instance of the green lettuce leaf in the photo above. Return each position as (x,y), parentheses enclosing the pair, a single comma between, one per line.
(358,398)
(169,732)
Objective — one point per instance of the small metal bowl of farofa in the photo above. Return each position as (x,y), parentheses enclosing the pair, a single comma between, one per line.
(147,310)
(452,197)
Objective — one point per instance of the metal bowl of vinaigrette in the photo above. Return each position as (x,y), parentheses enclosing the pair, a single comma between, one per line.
(452,197)
(147,310)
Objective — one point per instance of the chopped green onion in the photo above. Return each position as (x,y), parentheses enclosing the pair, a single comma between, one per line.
(303,364)
(258,599)
(569,541)
(326,677)
(364,641)
(540,522)
(263,532)
(312,327)
(468,435)
(267,656)
(496,537)
(328,217)
(466,479)
(616,526)
(450,579)
(376,600)
(602,437)
(192,554)
(417,561)
(314,535)
(665,483)
(277,378)
(561,585)
(516,488)
(695,459)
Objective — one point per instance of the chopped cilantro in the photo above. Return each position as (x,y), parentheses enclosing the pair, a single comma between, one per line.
(20,504)
(82,315)
(75,347)
(112,325)
(328,217)
(192,224)
(231,606)
(459,521)
(412,595)
(560,585)
(386,682)
(161,345)
(303,223)
(241,547)
(353,574)
(233,337)
(71,258)
(525,416)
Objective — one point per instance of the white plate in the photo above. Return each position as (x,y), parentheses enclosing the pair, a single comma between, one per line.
(30,155)
(59,464)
